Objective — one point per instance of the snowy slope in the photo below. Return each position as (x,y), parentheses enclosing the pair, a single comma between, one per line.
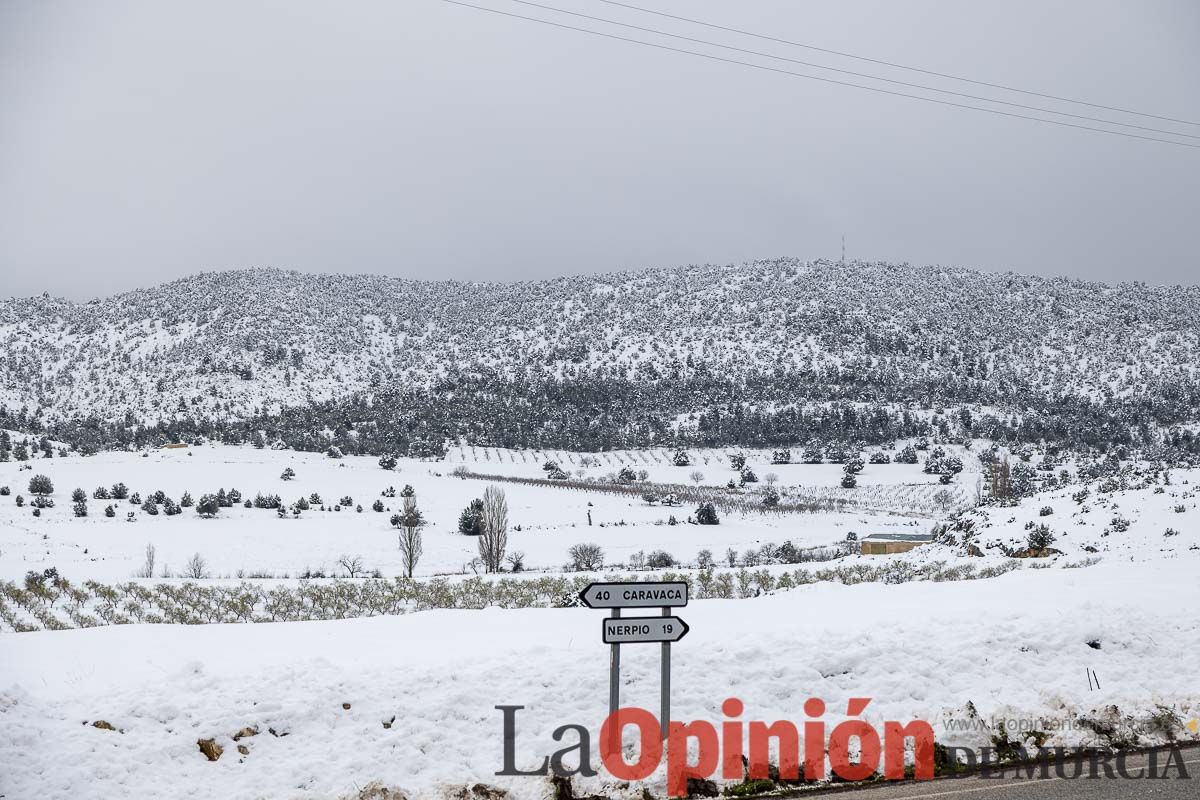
(224,345)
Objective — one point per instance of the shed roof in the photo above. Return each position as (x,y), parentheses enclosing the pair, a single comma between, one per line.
(900,537)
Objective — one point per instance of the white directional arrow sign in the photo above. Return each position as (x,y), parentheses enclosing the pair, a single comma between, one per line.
(643,594)
(618,630)
(631,630)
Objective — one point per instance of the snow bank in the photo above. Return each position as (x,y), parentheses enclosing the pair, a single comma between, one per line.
(1014,646)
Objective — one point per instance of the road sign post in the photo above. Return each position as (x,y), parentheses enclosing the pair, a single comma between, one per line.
(617,630)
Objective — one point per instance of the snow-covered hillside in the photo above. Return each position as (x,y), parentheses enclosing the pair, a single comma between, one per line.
(730,354)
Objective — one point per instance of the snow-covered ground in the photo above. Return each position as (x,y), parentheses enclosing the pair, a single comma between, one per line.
(1015,647)
(544,522)
(1028,645)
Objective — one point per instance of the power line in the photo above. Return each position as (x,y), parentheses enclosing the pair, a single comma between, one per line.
(868,76)
(791,73)
(895,65)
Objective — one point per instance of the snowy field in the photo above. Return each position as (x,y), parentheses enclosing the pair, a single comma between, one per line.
(1025,645)
(544,522)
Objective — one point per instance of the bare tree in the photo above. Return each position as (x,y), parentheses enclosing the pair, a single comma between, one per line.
(770,479)
(147,570)
(944,498)
(494,540)
(586,557)
(696,476)
(411,546)
(353,566)
(196,567)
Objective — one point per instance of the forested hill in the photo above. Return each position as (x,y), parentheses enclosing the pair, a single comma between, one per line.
(761,353)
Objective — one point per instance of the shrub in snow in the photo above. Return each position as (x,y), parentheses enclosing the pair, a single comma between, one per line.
(706,514)
(119,491)
(1040,538)
(101,493)
(586,557)
(150,507)
(266,501)
(37,512)
(109,511)
(377,506)
(248,504)
(1170,532)
(551,466)
(1179,509)
(40,485)
(854,465)
(4,491)
(627,475)
(287,474)
(1046,511)
(135,499)
(849,481)
(907,456)
(682,458)
(880,457)
(781,457)
(770,498)
(334,452)
(660,559)
(42,502)
(186,501)
(737,461)
(358,508)
(471,521)
(748,476)
(386,461)
(80,508)
(20,501)
(346,501)
(650,498)
(208,506)
(1119,524)
(314,499)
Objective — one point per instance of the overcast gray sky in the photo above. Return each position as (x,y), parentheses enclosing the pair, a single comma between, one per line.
(142,141)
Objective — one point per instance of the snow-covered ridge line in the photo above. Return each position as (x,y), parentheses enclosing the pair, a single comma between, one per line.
(227,345)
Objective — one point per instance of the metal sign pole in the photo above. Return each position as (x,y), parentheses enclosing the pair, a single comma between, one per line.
(614,686)
(664,718)
(614,672)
